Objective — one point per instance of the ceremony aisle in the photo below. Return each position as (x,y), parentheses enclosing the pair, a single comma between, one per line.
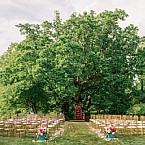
(77,133)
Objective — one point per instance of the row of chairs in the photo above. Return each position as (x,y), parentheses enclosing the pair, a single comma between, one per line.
(122,126)
(27,127)
(118,117)
(32,117)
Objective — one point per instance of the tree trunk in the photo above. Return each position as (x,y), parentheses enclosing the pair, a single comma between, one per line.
(77,97)
(65,110)
(34,109)
(142,85)
(32,105)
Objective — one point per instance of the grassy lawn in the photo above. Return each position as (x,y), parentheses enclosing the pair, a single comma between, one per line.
(76,133)
(131,140)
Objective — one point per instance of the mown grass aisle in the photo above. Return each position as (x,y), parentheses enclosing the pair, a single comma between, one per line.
(77,133)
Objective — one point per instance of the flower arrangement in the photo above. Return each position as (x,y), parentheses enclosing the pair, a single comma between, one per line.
(41,134)
(110,131)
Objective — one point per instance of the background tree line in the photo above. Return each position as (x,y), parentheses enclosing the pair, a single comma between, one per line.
(88,59)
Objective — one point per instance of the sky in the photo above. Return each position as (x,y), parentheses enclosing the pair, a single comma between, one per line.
(13,12)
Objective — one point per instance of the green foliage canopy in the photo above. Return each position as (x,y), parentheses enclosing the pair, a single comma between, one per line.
(88,59)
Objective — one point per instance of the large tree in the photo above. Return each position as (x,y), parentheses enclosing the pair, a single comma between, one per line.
(96,57)
(88,59)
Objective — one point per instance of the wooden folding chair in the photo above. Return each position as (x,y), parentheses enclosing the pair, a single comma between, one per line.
(19,129)
(142,118)
(31,129)
(1,128)
(135,117)
(132,128)
(8,129)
